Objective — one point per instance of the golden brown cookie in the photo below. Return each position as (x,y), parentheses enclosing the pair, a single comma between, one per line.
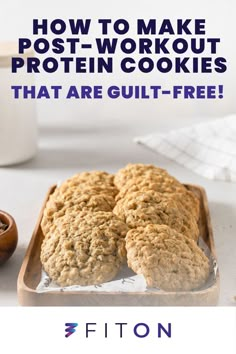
(84,249)
(167,259)
(99,181)
(143,208)
(73,201)
(166,185)
(93,191)
(131,171)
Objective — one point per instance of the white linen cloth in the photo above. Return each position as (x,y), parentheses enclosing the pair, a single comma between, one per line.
(208,149)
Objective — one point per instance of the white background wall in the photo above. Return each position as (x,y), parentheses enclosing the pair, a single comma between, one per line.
(16,21)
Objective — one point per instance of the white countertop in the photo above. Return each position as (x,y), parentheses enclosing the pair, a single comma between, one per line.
(66,147)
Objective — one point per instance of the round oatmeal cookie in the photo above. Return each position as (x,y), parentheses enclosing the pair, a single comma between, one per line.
(84,249)
(74,202)
(72,192)
(150,207)
(165,184)
(131,171)
(92,189)
(167,259)
(101,181)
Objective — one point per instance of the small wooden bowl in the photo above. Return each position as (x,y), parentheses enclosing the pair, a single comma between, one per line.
(9,238)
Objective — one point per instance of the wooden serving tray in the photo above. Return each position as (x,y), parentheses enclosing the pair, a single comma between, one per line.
(30,274)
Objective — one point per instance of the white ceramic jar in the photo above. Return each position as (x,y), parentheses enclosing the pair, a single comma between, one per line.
(18,121)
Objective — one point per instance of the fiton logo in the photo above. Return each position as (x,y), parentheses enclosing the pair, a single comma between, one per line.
(70,329)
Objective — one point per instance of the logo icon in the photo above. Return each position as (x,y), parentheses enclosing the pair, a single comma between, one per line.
(70,329)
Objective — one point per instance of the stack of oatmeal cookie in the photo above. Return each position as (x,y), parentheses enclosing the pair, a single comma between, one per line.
(84,242)
(94,220)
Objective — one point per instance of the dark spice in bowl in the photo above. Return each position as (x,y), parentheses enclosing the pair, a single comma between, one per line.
(3,227)
(8,236)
